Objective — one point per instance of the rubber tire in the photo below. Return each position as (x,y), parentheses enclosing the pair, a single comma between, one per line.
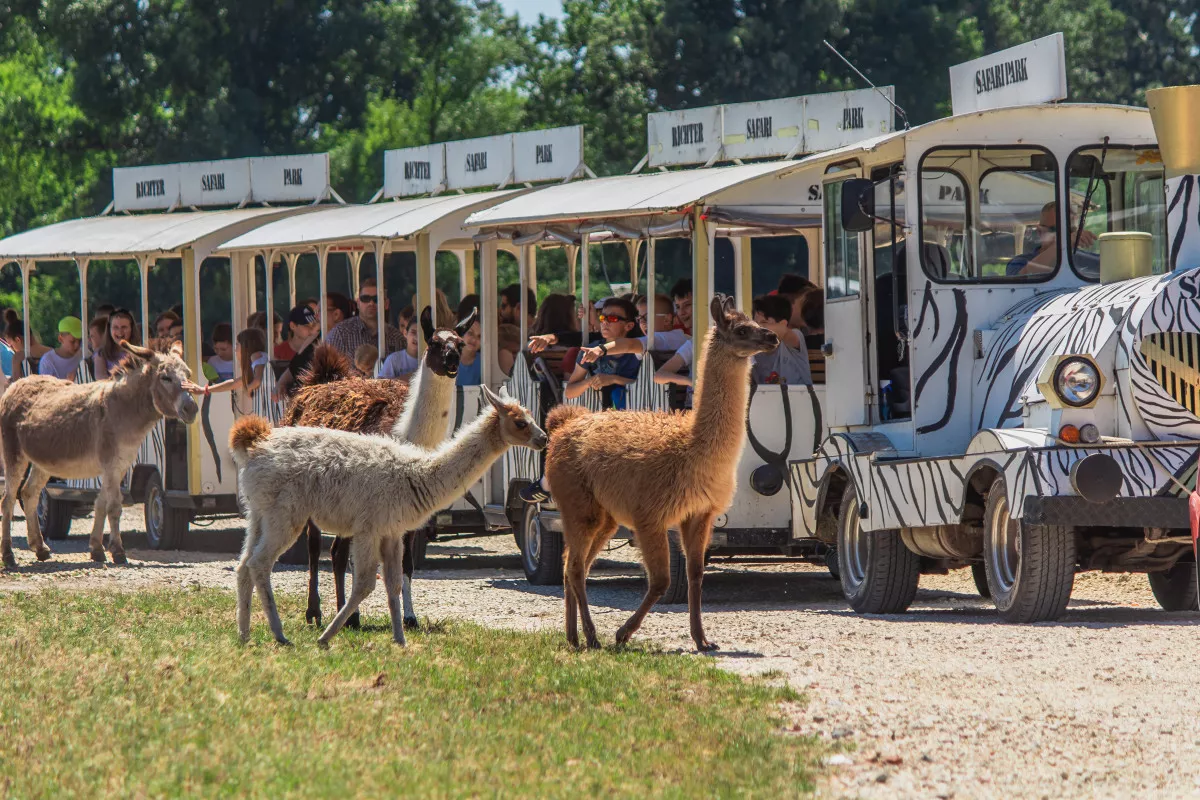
(831,563)
(1045,573)
(1175,589)
(54,516)
(547,569)
(677,592)
(420,548)
(174,521)
(979,574)
(892,571)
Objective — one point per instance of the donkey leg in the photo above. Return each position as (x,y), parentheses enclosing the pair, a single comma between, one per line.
(115,506)
(99,514)
(656,556)
(37,480)
(695,534)
(313,614)
(339,554)
(275,537)
(14,468)
(366,564)
(391,548)
(410,615)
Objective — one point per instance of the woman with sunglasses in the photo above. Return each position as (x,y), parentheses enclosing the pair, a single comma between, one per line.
(121,326)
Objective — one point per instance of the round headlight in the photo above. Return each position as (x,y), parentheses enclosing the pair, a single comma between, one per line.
(1076,382)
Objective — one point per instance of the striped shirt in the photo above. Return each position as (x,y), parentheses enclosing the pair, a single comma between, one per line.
(349,334)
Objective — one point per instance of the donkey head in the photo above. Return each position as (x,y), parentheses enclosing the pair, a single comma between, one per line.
(168,373)
(444,346)
(739,333)
(517,427)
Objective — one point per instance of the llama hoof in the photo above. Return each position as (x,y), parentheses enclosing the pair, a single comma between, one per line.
(119,558)
(323,644)
(244,638)
(43,553)
(593,644)
(98,556)
(353,622)
(412,624)
(707,646)
(623,636)
(284,642)
(312,616)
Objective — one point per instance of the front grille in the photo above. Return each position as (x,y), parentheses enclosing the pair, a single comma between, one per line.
(1174,358)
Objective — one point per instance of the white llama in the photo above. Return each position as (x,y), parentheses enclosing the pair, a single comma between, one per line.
(371,489)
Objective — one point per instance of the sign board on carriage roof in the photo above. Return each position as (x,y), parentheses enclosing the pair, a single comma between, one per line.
(228,182)
(542,155)
(768,129)
(1028,74)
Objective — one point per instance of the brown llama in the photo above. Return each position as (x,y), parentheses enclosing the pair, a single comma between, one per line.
(651,471)
(72,430)
(333,397)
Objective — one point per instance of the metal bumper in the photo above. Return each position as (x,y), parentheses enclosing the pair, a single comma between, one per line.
(1120,512)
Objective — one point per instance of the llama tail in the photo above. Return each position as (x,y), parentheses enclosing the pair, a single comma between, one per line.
(328,365)
(246,433)
(561,415)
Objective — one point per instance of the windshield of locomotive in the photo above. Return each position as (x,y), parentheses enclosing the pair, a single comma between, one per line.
(988,214)
(1116,188)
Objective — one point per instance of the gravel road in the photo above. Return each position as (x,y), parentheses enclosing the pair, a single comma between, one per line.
(940,702)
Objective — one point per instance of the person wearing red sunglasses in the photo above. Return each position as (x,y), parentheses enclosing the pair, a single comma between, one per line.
(618,318)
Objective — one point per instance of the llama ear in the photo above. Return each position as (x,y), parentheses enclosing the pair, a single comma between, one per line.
(427,324)
(465,325)
(176,348)
(730,305)
(717,309)
(492,397)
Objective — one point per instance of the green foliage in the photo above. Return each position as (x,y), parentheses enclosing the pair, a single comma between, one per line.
(149,694)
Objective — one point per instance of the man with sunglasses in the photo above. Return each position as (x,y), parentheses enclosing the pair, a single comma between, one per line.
(1045,258)
(347,336)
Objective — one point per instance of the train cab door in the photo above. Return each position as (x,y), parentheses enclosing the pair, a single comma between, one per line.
(846,332)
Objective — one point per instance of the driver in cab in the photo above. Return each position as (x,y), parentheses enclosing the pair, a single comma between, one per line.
(1045,257)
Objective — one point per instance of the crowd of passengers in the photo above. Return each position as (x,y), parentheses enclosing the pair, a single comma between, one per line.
(602,353)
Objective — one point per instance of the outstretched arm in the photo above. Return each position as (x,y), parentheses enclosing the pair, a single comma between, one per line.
(617,347)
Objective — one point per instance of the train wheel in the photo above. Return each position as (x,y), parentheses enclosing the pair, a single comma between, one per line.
(1030,568)
(879,574)
(166,527)
(54,516)
(541,550)
(1175,589)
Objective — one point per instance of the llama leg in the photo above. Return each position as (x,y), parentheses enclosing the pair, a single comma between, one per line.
(575,582)
(37,480)
(572,607)
(245,581)
(274,538)
(313,614)
(366,563)
(111,484)
(14,467)
(657,559)
(339,554)
(410,615)
(695,534)
(391,548)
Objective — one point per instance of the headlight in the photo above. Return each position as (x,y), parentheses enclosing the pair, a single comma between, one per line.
(1076,382)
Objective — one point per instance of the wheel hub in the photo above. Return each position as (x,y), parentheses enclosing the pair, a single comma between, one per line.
(1005,546)
(154,519)
(533,539)
(856,545)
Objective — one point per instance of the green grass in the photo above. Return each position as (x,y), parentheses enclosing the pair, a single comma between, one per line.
(150,695)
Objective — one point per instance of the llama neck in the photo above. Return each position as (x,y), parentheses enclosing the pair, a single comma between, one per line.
(425,417)
(719,401)
(450,470)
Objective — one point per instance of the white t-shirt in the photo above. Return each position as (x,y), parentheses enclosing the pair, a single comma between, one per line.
(685,352)
(223,366)
(52,363)
(399,364)
(668,340)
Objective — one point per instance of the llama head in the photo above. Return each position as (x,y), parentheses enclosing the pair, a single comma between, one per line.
(739,333)
(168,373)
(444,346)
(517,427)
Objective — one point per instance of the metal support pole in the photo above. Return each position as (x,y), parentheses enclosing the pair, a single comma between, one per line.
(322,288)
(82,265)
(144,274)
(702,271)
(381,306)
(651,295)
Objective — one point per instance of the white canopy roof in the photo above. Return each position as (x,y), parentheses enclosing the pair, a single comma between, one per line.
(120,235)
(388,220)
(625,195)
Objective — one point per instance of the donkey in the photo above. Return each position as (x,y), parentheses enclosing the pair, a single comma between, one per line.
(54,427)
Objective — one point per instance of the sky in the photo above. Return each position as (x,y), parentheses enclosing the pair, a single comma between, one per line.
(528,10)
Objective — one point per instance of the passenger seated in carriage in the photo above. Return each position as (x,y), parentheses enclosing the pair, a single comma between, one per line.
(220,366)
(14,332)
(305,330)
(364,359)
(166,322)
(470,365)
(617,321)
(405,361)
(788,363)
(120,326)
(63,361)
(667,334)
(681,295)
(252,362)
(1043,257)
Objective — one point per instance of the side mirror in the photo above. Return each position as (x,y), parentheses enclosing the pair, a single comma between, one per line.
(858,205)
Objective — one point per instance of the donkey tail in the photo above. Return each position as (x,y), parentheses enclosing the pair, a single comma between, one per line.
(561,415)
(246,433)
(328,365)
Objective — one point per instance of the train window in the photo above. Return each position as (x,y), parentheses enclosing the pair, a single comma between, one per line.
(841,248)
(1115,188)
(989,214)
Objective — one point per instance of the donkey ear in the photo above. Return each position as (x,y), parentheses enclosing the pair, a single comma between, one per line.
(717,309)
(465,325)
(427,324)
(140,352)
(493,398)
